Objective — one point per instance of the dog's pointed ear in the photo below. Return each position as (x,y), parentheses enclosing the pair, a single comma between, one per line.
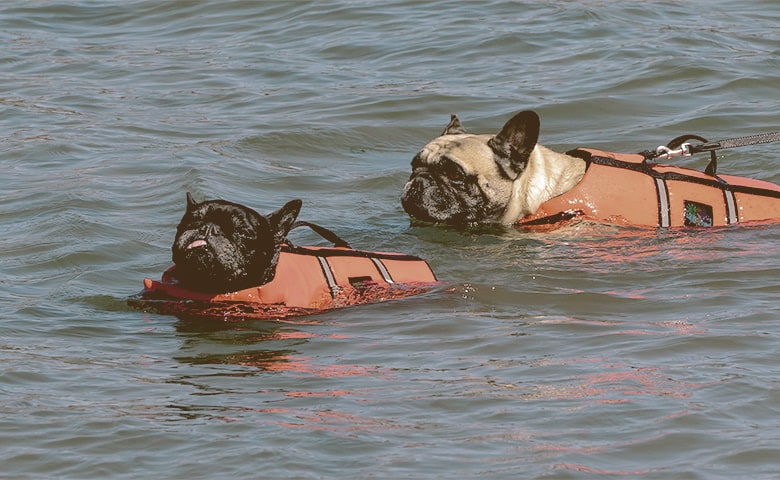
(191,204)
(454,127)
(515,142)
(282,220)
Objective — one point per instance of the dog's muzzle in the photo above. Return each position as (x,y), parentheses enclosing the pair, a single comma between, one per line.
(426,200)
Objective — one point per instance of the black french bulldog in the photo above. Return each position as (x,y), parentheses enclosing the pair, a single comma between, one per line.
(222,246)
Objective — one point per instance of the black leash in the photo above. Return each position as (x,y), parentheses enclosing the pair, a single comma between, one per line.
(681,147)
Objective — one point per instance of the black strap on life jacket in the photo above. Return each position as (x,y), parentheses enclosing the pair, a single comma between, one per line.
(323,254)
(325,233)
(338,250)
(328,235)
(551,219)
(646,168)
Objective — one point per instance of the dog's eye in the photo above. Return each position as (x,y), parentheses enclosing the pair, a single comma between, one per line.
(227,228)
(453,171)
(417,162)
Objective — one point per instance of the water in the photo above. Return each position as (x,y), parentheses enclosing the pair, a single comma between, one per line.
(591,352)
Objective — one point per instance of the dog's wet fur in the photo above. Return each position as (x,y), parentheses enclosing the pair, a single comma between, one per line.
(462,179)
(221,246)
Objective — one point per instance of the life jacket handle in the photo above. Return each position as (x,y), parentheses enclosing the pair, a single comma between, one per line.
(712,167)
(325,233)
(680,146)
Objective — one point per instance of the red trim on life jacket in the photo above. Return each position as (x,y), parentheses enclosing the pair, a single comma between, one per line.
(624,189)
(312,280)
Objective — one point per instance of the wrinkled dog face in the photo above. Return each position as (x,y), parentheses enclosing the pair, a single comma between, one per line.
(222,246)
(463,179)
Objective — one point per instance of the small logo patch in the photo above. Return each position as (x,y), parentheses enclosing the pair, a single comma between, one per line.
(697,214)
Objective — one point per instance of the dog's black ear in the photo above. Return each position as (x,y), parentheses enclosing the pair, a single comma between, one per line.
(191,204)
(280,223)
(282,220)
(454,127)
(515,142)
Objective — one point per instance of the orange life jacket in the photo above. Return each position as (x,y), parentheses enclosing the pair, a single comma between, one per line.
(625,189)
(308,280)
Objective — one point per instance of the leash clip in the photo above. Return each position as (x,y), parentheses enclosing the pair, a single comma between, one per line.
(666,153)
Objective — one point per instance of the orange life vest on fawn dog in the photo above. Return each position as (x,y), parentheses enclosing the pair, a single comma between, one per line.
(308,280)
(625,189)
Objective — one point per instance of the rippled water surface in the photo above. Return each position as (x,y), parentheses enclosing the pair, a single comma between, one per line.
(589,352)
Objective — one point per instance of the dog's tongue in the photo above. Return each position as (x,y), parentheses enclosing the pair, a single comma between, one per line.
(196,244)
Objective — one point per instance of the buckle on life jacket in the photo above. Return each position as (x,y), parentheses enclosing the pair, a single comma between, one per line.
(680,146)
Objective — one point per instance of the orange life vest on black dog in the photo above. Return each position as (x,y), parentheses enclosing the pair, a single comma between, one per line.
(308,280)
(625,189)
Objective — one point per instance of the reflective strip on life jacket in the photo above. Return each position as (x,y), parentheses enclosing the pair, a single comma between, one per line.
(318,278)
(624,189)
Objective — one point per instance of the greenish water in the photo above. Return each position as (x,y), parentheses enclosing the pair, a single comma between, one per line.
(591,352)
